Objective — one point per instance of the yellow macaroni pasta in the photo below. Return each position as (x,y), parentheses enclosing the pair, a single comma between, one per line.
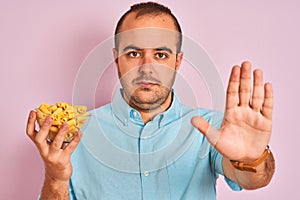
(62,112)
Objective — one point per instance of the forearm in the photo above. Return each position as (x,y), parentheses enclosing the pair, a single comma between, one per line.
(55,190)
(251,180)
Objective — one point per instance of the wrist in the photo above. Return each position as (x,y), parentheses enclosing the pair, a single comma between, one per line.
(58,173)
(251,166)
(56,183)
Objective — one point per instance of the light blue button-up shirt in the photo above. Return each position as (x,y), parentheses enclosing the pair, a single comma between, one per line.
(120,157)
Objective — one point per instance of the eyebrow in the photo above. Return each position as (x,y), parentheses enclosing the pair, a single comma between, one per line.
(164,49)
(132,47)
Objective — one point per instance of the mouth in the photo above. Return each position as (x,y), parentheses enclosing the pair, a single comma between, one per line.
(146,84)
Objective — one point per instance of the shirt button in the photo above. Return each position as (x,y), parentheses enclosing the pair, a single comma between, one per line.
(134,114)
(146,173)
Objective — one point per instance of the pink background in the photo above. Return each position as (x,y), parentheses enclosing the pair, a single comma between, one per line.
(43,43)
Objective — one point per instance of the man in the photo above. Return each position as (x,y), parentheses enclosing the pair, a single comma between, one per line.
(161,154)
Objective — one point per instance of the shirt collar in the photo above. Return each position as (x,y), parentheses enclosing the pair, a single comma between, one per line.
(124,112)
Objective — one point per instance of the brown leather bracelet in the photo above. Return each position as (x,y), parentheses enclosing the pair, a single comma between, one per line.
(251,166)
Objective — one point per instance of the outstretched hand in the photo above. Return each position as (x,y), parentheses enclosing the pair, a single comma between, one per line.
(247,124)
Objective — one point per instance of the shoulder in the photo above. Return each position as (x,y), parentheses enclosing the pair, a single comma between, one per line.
(208,114)
(214,117)
(103,110)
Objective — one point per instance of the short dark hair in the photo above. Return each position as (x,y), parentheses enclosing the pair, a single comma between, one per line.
(147,8)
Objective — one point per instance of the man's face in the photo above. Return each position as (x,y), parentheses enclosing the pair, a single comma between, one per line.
(146,60)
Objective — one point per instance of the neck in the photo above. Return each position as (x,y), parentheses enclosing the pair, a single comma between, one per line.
(148,115)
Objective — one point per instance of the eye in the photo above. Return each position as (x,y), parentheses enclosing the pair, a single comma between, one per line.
(161,55)
(133,54)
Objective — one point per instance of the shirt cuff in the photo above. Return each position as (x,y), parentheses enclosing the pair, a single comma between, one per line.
(233,185)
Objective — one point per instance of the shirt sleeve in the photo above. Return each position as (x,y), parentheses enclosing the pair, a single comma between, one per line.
(71,192)
(216,160)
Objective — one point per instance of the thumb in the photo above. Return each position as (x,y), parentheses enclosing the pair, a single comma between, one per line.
(210,132)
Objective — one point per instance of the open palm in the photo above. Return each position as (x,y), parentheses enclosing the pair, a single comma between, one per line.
(247,124)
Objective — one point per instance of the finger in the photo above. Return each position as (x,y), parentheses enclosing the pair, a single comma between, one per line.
(267,108)
(73,144)
(30,127)
(206,129)
(57,143)
(232,99)
(41,136)
(245,84)
(258,91)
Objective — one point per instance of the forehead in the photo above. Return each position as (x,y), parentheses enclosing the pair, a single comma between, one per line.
(149,38)
(148,31)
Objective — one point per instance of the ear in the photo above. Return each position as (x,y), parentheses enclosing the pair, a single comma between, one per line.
(179,58)
(116,57)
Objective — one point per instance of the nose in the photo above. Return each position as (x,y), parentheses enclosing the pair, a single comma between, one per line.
(147,64)
(146,69)
(147,58)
